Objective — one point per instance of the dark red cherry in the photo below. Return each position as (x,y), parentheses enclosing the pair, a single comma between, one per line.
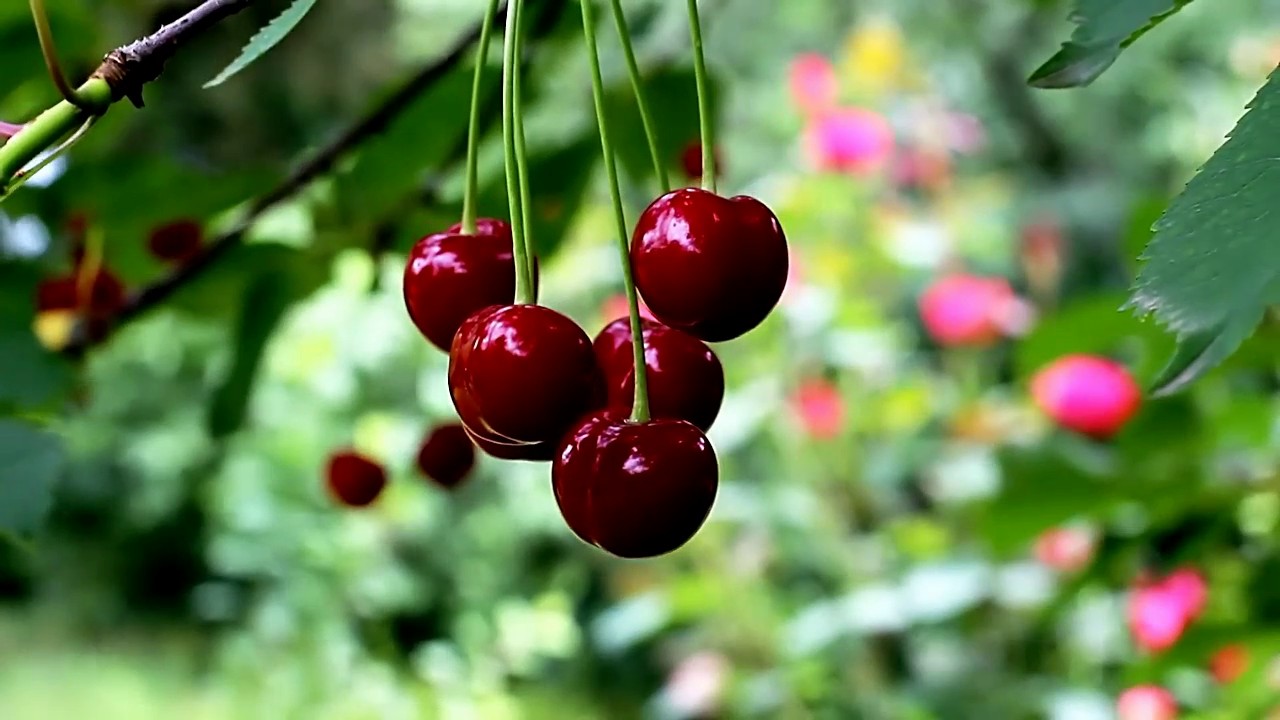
(104,296)
(691,160)
(450,275)
(686,380)
(447,455)
(522,374)
(354,480)
(535,452)
(176,241)
(712,266)
(635,490)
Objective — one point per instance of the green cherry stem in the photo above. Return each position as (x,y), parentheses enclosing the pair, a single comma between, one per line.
(708,139)
(524,278)
(44,31)
(637,86)
(640,408)
(522,159)
(473,127)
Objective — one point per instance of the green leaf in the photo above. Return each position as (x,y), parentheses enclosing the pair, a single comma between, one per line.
(266,38)
(673,103)
(30,460)
(1200,352)
(32,375)
(1212,265)
(1094,325)
(1103,29)
(264,303)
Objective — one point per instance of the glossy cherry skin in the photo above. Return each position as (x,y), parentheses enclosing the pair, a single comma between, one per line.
(714,267)
(353,479)
(176,241)
(522,374)
(450,275)
(447,455)
(532,452)
(635,490)
(686,379)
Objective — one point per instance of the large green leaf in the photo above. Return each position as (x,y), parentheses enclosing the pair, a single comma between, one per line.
(30,460)
(266,38)
(1103,29)
(1212,265)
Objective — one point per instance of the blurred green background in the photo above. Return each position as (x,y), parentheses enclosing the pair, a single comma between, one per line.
(188,562)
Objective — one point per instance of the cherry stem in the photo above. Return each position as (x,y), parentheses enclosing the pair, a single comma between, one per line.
(640,407)
(473,128)
(524,278)
(45,32)
(637,86)
(522,160)
(708,139)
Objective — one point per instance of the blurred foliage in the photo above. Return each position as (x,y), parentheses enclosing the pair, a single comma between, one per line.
(191,564)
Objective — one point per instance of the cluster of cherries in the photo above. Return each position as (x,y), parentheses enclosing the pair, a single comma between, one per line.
(529,384)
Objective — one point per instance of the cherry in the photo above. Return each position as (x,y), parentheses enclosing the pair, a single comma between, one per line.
(447,455)
(691,160)
(966,310)
(686,380)
(176,241)
(533,452)
(635,490)
(354,480)
(450,275)
(1091,395)
(712,266)
(105,296)
(1146,702)
(522,374)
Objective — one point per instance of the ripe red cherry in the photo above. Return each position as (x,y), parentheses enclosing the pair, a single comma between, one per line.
(691,161)
(354,480)
(104,296)
(176,241)
(450,275)
(532,452)
(635,490)
(522,374)
(1091,395)
(447,455)
(711,266)
(686,380)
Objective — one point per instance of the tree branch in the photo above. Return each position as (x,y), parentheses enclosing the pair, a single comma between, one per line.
(123,73)
(317,165)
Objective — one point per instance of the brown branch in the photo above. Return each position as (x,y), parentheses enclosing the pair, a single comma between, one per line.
(319,163)
(128,68)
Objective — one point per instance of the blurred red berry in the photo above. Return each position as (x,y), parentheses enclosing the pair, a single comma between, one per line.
(101,296)
(849,140)
(353,479)
(966,310)
(1146,702)
(77,226)
(176,241)
(447,455)
(1190,588)
(1229,663)
(691,161)
(813,83)
(1157,617)
(1091,395)
(820,408)
(1065,549)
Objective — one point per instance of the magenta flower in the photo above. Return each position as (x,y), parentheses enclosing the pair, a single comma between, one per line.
(813,83)
(849,140)
(1091,395)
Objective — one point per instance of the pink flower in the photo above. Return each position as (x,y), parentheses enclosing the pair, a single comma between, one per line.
(965,309)
(820,407)
(1157,617)
(1146,702)
(1190,588)
(8,130)
(696,686)
(1065,549)
(1088,394)
(814,86)
(849,140)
